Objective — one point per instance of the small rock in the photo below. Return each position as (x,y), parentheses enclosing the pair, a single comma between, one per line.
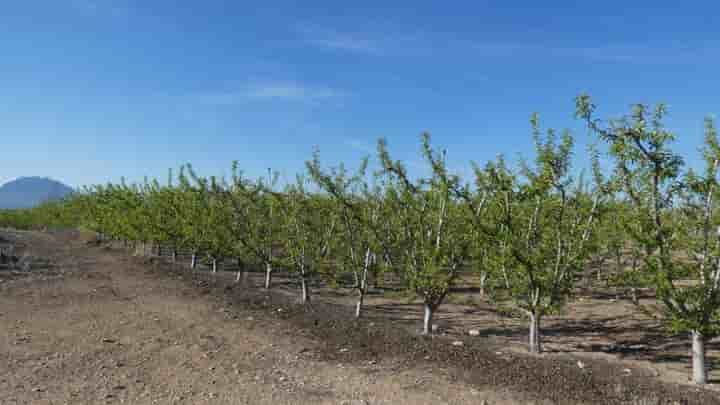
(344,350)
(627,371)
(458,343)
(108,340)
(581,364)
(474,332)
(435,328)
(250,318)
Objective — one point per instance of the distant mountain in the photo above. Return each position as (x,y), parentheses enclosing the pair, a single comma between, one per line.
(26,192)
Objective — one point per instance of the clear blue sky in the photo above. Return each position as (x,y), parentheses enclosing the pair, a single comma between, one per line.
(91,90)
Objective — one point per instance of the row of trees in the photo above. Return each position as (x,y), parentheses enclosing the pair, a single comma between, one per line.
(530,232)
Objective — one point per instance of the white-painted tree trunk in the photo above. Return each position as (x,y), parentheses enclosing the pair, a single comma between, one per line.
(241,272)
(214,265)
(268,275)
(427,319)
(505,277)
(193,261)
(535,346)
(305,290)
(363,283)
(174,256)
(483,278)
(359,304)
(698,358)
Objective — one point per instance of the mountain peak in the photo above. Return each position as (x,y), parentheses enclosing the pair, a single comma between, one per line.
(26,192)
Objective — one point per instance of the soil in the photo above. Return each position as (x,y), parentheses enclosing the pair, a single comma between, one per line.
(95,325)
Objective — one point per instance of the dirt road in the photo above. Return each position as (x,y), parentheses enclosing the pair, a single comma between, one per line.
(102,327)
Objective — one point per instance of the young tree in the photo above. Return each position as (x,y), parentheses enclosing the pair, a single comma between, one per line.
(167,206)
(217,219)
(256,219)
(426,222)
(675,214)
(488,243)
(309,229)
(545,222)
(358,210)
(193,205)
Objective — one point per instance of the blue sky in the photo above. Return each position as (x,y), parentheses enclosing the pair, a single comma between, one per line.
(92,90)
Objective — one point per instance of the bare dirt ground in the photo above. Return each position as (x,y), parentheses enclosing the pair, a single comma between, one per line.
(99,326)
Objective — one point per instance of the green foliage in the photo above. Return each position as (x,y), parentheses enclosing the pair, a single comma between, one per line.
(309,232)
(426,226)
(674,217)
(545,218)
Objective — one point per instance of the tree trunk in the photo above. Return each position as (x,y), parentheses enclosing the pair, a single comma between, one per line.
(698,358)
(305,290)
(193,261)
(535,346)
(268,275)
(241,274)
(174,255)
(505,277)
(214,265)
(159,250)
(634,295)
(427,320)
(359,304)
(483,278)
(375,280)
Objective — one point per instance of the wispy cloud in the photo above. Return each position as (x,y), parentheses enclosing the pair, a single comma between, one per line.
(336,40)
(672,53)
(271,91)
(346,43)
(97,8)
(625,53)
(384,42)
